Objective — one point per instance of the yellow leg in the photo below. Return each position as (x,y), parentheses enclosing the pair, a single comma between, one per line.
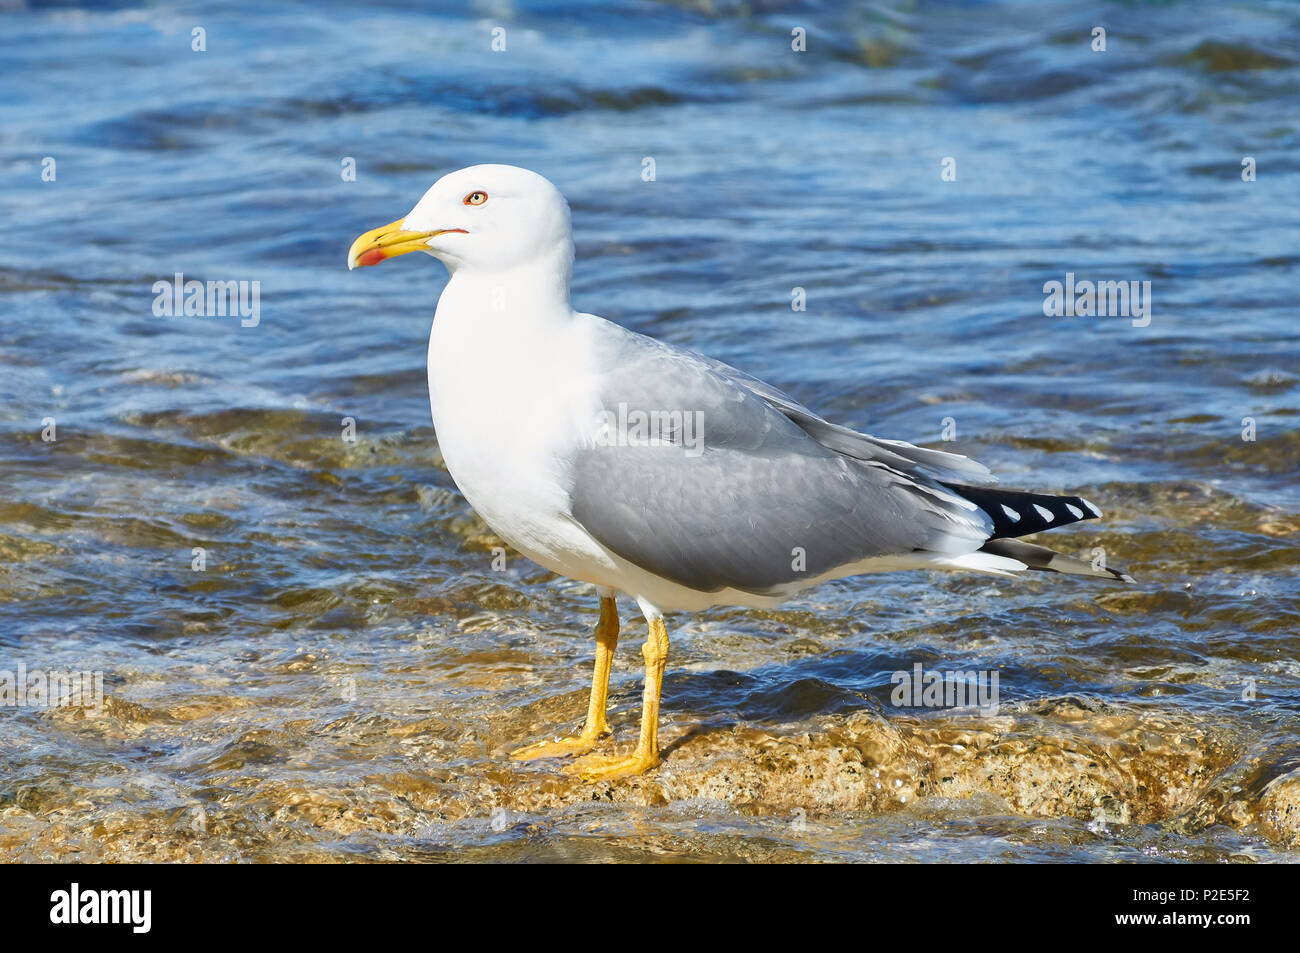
(596,726)
(646,756)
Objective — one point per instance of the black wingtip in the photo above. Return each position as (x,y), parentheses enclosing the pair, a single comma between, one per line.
(1015,513)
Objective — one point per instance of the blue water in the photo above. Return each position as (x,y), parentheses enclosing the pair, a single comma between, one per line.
(331,561)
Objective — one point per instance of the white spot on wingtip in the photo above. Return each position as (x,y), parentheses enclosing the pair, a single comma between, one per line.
(1045,513)
(1012,514)
(1078,513)
(1091,508)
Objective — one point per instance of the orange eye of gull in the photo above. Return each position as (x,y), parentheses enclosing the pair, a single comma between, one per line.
(476,198)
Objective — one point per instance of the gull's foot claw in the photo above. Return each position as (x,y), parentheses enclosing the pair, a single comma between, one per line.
(602,767)
(559,748)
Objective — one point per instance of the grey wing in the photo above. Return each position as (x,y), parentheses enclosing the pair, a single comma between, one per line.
(739,494)
(935,464)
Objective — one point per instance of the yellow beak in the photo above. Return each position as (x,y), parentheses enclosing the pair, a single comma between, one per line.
(388,241)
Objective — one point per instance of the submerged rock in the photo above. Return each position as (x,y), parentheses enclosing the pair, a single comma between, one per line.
(1058,759)
(424,788)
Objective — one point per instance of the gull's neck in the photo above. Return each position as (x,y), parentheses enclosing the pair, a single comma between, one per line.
(531,298)
(513,324)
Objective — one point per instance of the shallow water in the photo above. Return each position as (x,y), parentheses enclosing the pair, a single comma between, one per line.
(345,677)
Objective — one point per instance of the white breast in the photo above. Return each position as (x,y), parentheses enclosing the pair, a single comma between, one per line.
(511,396)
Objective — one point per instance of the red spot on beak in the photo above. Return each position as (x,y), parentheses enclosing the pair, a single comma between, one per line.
(371,257)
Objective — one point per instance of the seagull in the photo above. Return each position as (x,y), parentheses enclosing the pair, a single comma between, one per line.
(649,470)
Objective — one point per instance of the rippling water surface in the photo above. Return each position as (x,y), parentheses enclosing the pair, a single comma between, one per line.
(343,679)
